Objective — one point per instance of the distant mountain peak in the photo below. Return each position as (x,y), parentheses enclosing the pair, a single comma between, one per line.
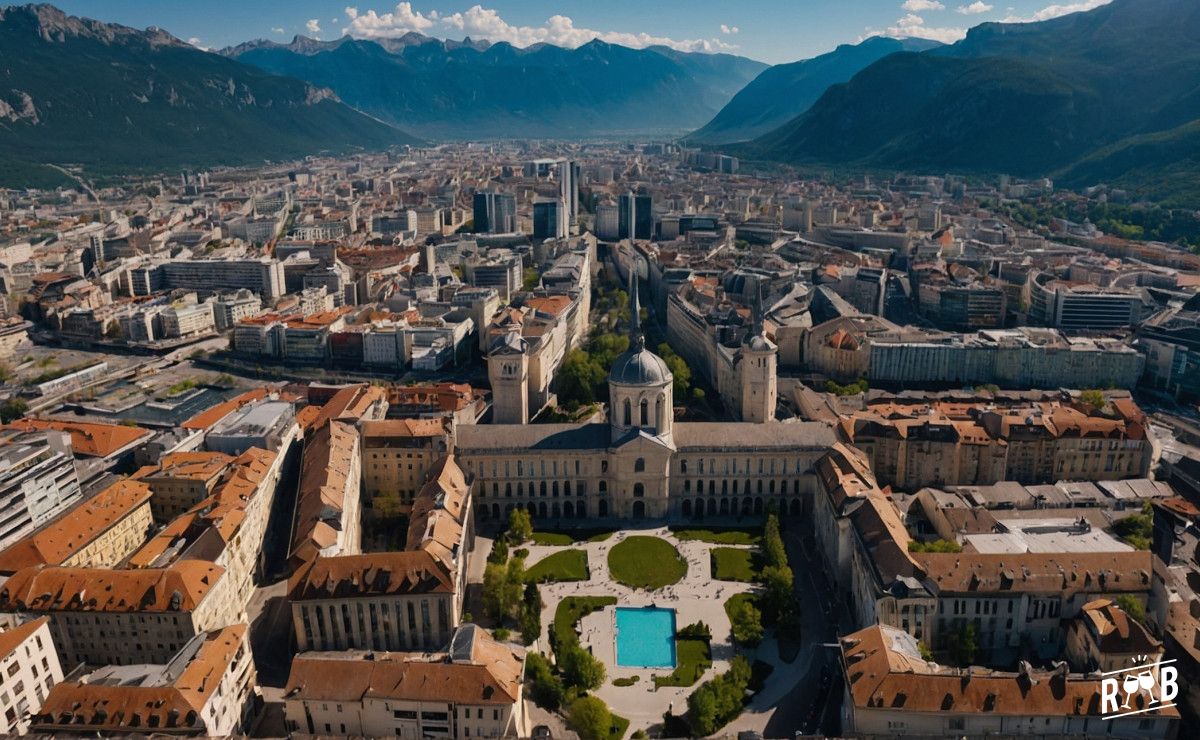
(54,25)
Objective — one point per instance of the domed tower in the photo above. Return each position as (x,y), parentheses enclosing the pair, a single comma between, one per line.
(757,373)
(640,384)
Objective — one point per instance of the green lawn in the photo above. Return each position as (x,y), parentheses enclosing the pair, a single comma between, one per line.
(568,565)
(733,564)
(692,658)
(551,538)
(569,612)
(737,599)
(619,726)
(570,537)
(721,536)
(646,562)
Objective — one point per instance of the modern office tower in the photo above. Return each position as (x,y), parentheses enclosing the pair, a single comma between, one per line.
(495,213)
(608,222)
(640,207)
(568,191)
(549,219)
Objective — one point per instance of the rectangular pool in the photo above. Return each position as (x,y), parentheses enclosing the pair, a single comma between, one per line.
(645,637)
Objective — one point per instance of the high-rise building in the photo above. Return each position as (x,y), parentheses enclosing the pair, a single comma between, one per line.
(608,222)
(639,208)
(568,191)
(495,213)
(550,219)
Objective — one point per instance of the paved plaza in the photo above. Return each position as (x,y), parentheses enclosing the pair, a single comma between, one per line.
(698,597)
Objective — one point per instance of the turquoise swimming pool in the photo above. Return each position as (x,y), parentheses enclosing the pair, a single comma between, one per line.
(645,637)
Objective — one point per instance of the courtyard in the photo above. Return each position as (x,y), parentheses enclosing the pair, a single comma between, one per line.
(655,584)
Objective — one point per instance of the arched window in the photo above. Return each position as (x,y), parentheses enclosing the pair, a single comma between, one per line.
(639,465)
(567,488)
(603,486)
(687,486)
(628,413)
(543,489)
(639,490)
(683,466)
(645,413)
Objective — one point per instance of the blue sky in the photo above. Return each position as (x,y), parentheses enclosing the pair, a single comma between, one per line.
(773,31)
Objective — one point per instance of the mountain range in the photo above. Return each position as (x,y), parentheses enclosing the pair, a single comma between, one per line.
(107,97)
(784,91)
(1112,94)
(476,90)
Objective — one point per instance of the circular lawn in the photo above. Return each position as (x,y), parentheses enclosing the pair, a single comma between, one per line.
(646,562)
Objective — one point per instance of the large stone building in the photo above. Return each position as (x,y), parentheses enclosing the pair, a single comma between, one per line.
(102,616)
(472,689)
(932,443)
(527,343)
(409,600)
(891,690)
(641,464)
(99,533)
(206,689)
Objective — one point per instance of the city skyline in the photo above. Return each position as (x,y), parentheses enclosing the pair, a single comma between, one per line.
(772,31)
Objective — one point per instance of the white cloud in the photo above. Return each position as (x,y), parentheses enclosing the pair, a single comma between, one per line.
(916,6)
(1054,11)
(402,20)
(313,26)
(278,30)
(196,42)
(975,8)
(729,29)
(485,23)
(913,26)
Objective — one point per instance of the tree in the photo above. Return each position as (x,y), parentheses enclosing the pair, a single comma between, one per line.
(746,624)
(719,700)
(1135,530)
(964,644)
(777,583)
(530,620)
(774,553)
(1094,398)
(12,409)
(580,670)
(502,587)
(590,717)
(547,689)
(520,525)
(1134,608)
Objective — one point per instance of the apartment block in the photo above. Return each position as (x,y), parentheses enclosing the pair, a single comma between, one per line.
(473,688)
(29,670)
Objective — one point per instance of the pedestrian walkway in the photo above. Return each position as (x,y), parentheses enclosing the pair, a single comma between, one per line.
(697,597)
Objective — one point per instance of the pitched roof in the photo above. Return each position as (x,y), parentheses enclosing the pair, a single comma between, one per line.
(180,587)
(436,521)
(884,670)
(11,639)
(374,574)
(477,670)
(105,707)
(72,531)
(325,482)
(89,439)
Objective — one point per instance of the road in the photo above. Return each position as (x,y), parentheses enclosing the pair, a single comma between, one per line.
(784,706)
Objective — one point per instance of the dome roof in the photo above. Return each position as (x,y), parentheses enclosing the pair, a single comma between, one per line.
(639,366)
